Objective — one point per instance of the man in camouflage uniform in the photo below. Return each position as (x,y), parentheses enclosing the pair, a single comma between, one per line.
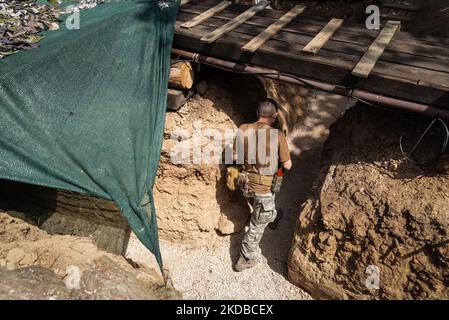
(253,143)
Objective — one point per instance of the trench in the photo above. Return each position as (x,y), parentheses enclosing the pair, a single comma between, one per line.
(204,269)
(198,259)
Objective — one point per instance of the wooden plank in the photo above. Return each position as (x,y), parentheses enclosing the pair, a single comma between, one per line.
(375,51)
(176,98)
(354,29)
(323,36)
(231,25)
(402,42)
(397,53)
(273,29)
(275,52)
(396,14)
(412,5)
(388,79)
(267,17)
(206,15)
(184,2)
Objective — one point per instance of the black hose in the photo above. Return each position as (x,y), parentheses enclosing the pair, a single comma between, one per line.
(444,144)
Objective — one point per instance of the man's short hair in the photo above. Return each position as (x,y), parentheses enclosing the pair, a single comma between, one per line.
(267,108)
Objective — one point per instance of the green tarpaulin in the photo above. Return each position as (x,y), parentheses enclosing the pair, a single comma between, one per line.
(85,111)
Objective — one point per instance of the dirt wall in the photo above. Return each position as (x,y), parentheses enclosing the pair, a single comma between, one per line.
(38,265)
(372,211)
(192,201)
(191,197)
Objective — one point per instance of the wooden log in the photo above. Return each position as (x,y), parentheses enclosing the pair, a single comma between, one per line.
(182,76)
(375,51)
(234,23)
(323,37)
(273,29)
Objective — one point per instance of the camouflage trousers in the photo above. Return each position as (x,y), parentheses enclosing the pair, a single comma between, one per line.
(264,212)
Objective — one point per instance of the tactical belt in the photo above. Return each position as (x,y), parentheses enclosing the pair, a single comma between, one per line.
(259,179)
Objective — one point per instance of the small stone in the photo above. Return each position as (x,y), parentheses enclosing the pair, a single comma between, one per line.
(53,26)
(11,266)
(28,259)
(15,255)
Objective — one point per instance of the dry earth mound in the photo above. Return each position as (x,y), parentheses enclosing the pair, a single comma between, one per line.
(36,265)
(370,211)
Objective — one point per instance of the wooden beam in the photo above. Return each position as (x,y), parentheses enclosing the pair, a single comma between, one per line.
(397,52)
(206,15)
(411,5)
(177,98)
(234,23)
(323,36)
(273,29)
(391,79)
(269,16)
(375,51)
(184,2)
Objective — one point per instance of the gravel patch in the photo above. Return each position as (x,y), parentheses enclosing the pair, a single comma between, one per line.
(206,273)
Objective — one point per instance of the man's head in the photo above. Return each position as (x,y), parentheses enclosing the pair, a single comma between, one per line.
(267,111)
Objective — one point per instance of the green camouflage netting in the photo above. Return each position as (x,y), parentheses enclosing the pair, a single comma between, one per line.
(85,110)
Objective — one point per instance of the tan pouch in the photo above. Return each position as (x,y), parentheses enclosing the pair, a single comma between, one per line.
(243,182)
(263,180)
(232,175)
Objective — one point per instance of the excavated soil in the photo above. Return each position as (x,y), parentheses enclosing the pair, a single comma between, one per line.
(37,265)
(370,209)
(373,210)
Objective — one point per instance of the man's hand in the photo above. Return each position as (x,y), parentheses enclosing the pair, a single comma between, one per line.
(287,165)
